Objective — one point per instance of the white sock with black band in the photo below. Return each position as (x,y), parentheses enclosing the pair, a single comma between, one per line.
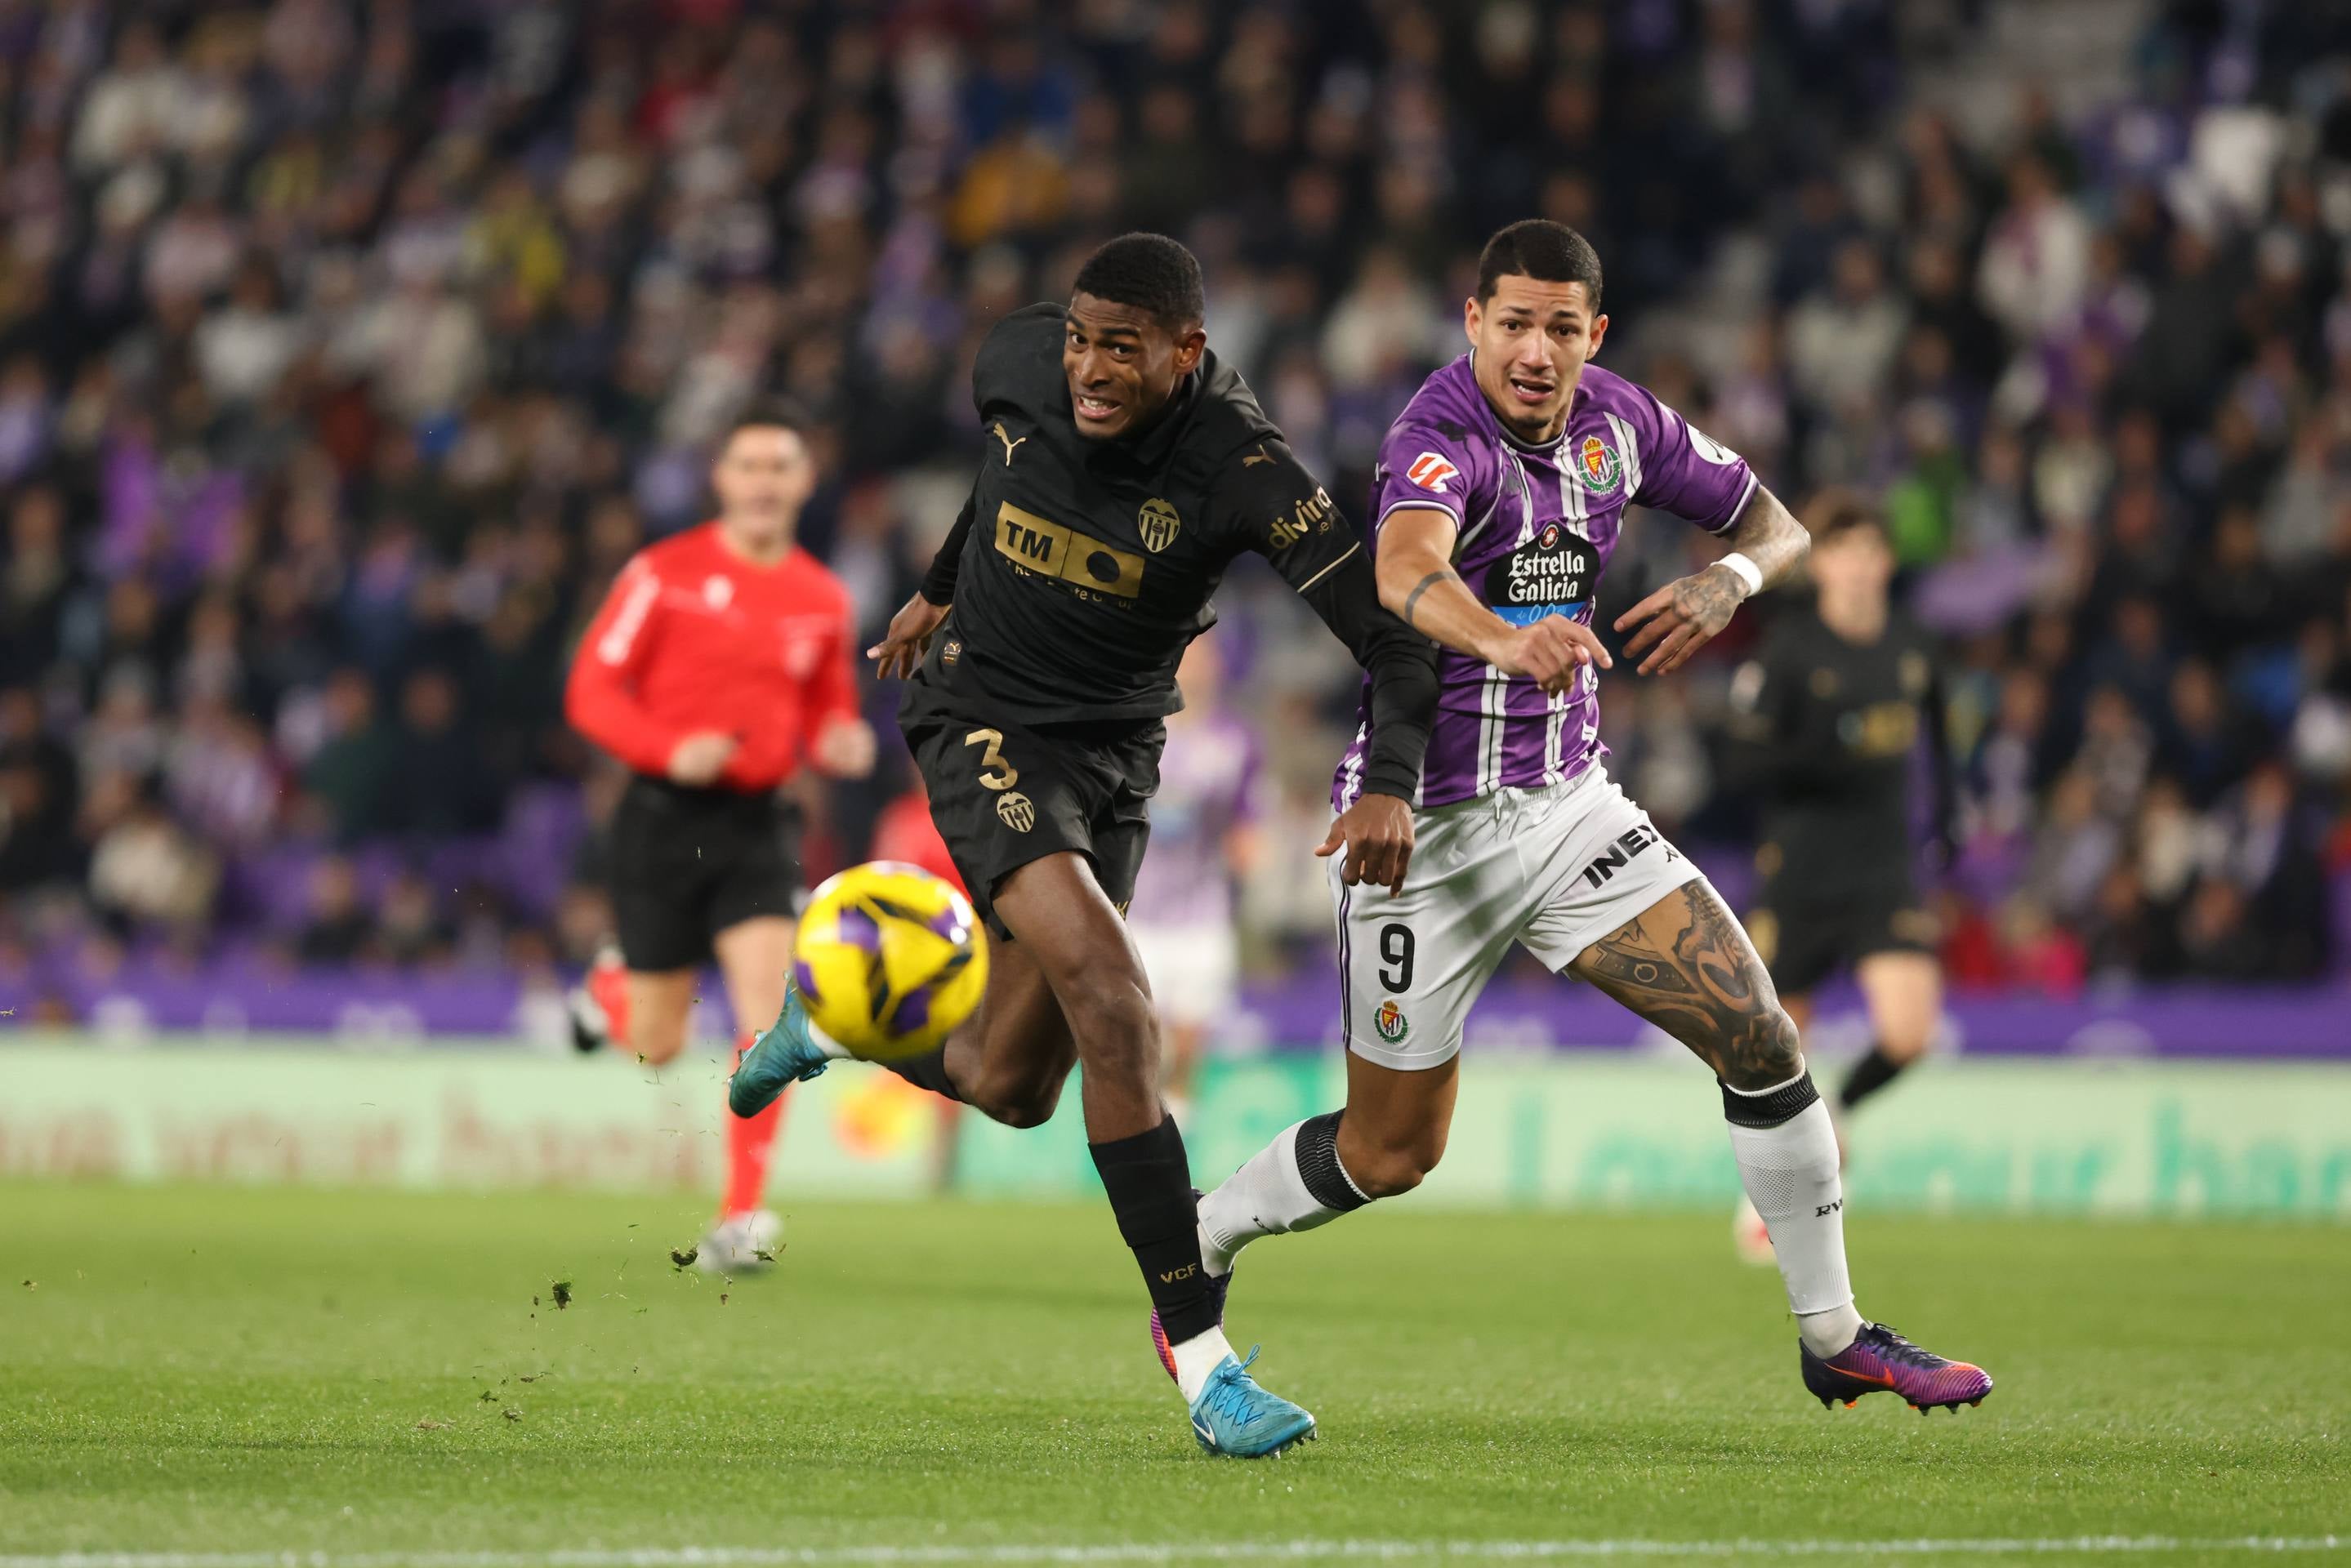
(1294,1183)
(1787,1157)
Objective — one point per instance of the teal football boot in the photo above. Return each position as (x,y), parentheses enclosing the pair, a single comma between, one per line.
(787,1053)
(1236,1417)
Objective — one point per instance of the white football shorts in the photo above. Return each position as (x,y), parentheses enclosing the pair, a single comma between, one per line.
(1553,869)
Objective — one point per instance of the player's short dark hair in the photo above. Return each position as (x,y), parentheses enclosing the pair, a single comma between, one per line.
(1837,511)
(768,413)
(1149,272)
(1539,248)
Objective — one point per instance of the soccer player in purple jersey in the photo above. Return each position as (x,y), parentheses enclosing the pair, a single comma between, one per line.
(1500,495)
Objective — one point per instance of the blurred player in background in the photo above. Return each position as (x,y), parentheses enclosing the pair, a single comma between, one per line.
(1830,714)
(720,664)
(1500,493)
(1203,827)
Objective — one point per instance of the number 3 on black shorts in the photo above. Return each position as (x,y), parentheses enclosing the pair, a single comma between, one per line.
(1013,808)
(994,773)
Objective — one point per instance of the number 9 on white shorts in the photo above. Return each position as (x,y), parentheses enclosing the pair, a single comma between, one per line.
(1553,869)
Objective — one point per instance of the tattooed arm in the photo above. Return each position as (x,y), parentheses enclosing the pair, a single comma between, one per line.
(1417,582)
(1686,613)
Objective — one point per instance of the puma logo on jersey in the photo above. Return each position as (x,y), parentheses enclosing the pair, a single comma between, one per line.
(1008,442)
(1260,455)
(1429,471)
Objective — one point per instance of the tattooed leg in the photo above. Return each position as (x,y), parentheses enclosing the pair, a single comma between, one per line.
(1685,965)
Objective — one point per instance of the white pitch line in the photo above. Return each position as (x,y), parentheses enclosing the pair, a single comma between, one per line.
(1219,1552)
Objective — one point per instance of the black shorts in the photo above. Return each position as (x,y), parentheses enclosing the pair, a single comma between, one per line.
(1004,793)
(689,862)
(1803,942)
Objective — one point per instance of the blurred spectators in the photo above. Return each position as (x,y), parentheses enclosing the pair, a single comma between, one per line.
(348,346)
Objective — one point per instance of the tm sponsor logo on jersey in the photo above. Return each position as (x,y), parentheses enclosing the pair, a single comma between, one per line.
(1049,550)
(1430,471)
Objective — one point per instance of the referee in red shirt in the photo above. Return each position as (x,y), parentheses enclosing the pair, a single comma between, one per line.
(720,664)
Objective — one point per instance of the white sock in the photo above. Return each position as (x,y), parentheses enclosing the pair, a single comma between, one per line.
(1196,1357)
(825,1042)
(1790,1171)
(1272,1195)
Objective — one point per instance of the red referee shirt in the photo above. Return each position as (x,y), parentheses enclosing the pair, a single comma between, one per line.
(692,637)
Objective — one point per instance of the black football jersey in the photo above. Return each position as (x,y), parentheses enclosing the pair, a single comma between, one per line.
(1087,566)
(1832,732)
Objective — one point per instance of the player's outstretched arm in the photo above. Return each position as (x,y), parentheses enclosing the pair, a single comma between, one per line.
(1268,503)
(1680,618)
(1376,834)
(1376,830)
(907,640)
(1417,582)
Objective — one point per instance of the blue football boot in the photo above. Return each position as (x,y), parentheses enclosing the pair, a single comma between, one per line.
(785,1054)
(1236,1417)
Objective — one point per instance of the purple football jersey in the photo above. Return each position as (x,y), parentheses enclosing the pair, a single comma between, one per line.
(1537,527)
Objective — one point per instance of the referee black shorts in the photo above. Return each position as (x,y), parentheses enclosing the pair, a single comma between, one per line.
(1004,793)
(1803,940)
(687,864)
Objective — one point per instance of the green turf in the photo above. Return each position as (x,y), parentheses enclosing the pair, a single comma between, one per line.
(203,1370)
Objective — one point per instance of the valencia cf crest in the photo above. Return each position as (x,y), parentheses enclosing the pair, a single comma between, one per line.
(1158,524)
(1017,812)
(1596,466)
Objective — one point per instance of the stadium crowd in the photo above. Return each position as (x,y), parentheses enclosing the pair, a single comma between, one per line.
(347,349)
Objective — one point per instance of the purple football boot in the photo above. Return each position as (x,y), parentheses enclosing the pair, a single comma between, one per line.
(1880,1358)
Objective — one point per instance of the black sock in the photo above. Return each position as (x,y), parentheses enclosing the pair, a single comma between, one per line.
(1150,1187)
(1869,1075)
(1318,1164)
(928,1071)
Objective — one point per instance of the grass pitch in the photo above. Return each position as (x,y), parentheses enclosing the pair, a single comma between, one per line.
(219,1371)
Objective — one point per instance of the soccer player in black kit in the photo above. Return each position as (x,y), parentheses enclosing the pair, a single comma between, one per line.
(1124,468)
(1831,713)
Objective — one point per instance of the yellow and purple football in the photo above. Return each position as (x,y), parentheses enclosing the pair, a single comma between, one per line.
(889,959)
